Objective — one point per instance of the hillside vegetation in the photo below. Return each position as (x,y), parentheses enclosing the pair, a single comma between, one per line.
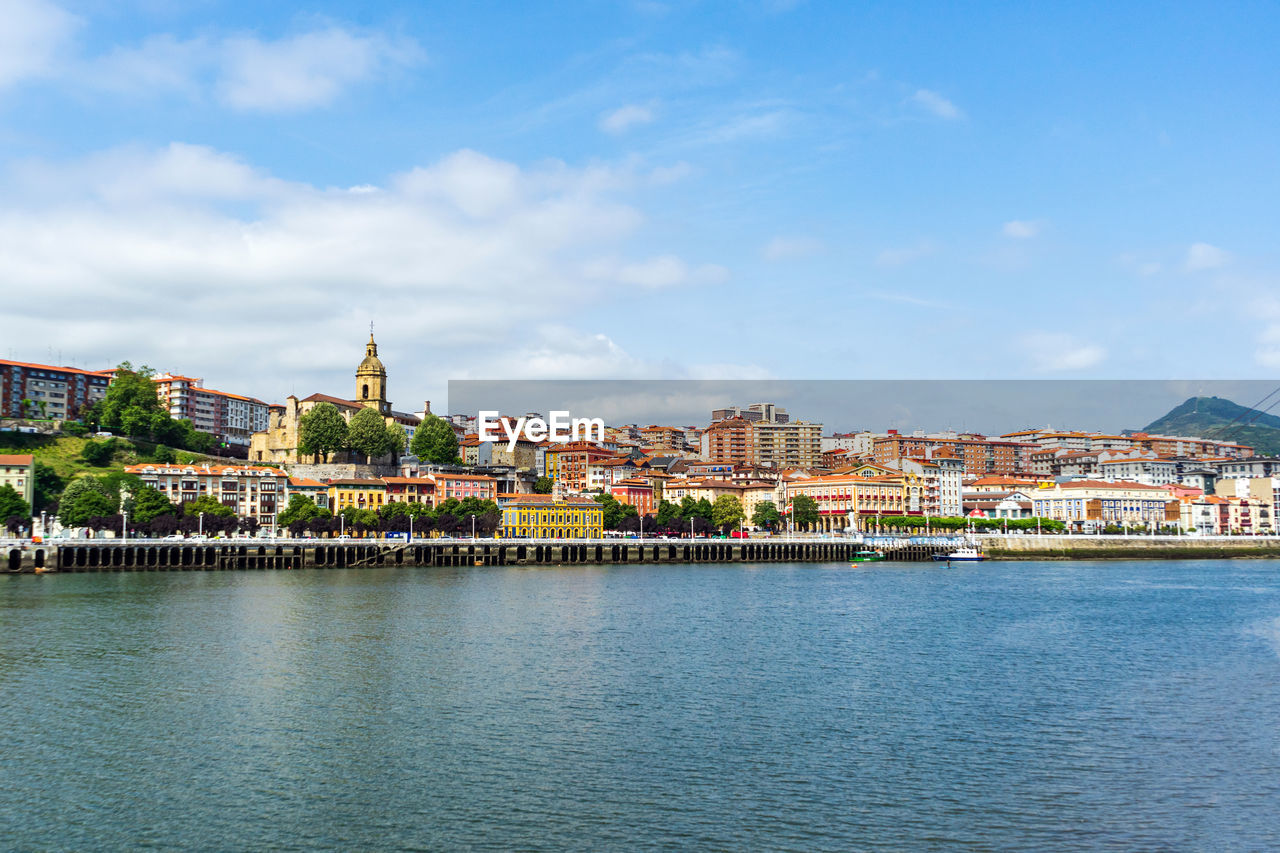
(1214,417)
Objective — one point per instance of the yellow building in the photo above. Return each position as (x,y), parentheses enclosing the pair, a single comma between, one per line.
(18,470)
(543,517)
(361,494)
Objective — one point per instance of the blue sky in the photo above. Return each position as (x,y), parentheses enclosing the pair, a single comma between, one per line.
(640,189)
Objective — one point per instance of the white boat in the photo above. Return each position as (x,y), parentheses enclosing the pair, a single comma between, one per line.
(967,554)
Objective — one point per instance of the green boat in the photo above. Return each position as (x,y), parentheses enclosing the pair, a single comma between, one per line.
(868,557)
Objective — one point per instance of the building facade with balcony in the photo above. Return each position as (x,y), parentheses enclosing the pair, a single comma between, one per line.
(251,491)
(546,517)
(44,392)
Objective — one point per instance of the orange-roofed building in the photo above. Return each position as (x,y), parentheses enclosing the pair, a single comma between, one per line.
(18,470)
(45,392)
(252,491)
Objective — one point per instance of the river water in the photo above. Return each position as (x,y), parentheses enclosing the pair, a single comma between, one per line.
(1121,705)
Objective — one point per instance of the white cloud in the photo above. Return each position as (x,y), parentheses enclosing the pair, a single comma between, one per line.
(250,74)
(903,256)
(170,254)
(782,248)
(1202,256)
(1021,229)
(624,118)
(32,35)
(1268,351)
(662,271)
(749,126)
(936,104)
(1058,351)
(905,298)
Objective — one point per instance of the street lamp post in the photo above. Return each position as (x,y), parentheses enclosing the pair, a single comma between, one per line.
(124,526)
(473,527)
(410,539)
(201,527)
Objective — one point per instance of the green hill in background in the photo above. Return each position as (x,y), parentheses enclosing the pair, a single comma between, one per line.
(1209,417)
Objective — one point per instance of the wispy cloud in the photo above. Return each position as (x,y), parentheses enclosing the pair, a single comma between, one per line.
(1021,229)
(1051,352)
(902,256)
(936,104)
(1202,256)
(905,298)
(250,74)
(32,35)
(782,248)
(656,273)
(624,118)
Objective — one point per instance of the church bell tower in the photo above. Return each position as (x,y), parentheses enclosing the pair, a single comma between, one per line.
(371,379)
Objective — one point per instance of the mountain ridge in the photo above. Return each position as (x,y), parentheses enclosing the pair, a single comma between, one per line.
(1223,420)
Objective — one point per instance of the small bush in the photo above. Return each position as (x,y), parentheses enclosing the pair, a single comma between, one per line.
(99,453)
(75,428)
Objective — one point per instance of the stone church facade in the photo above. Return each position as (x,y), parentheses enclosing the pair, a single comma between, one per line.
(278,443)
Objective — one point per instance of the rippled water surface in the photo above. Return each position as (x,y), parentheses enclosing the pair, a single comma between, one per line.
(1130,705)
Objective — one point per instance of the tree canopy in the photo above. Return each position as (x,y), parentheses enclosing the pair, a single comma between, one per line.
(804,511)
(435,441)
(209,506)
(726,512)
(766,516)
(148,504)
(301,508)
(368,434)
(322,430)
(86,498)
(13,504)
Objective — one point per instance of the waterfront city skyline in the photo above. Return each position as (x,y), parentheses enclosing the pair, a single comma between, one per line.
(639,190)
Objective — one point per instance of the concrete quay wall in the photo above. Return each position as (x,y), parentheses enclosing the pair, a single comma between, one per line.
(214,556)
(999,547)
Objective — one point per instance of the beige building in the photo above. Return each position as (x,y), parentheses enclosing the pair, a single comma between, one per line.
(1100,502)
(252,491)
(278,443)
(750,495)
(19,470)
(794,444)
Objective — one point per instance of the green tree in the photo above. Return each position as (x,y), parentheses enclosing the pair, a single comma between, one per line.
(149,503)
(209,506)
(435,441)
(130,399)
(703,509)
(99,453)
(766,516)
(322,430)
(542,486)
(667,513)
(301,508)
(804,512)
(163,454)
(47,486)
(12,504)
(367,433)
(85,498)
(726,512)
(397,440)
(615,511)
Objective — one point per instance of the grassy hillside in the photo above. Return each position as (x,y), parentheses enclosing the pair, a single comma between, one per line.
(63,453)
(1208,417)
